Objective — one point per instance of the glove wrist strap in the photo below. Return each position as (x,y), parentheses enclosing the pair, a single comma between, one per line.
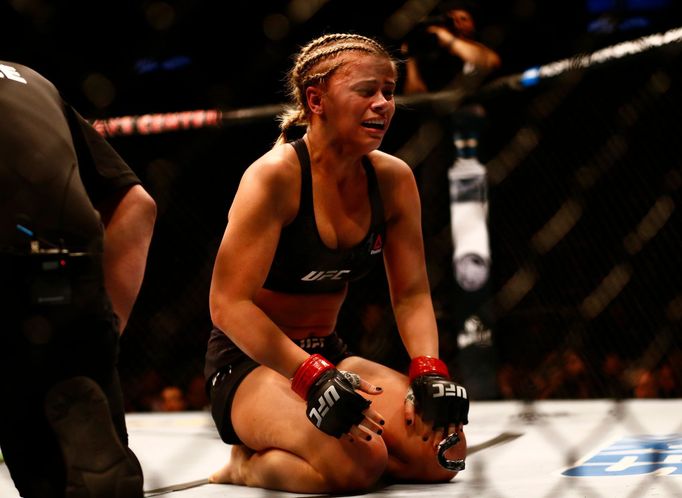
(424,365)
(309,371)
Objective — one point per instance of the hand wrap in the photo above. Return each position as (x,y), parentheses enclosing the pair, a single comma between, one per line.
(333,406)
(436,398)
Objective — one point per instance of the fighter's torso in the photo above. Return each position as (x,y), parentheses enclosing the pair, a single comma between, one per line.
(303,264)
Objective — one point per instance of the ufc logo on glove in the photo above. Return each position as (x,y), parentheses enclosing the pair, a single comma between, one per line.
(325,402)
(440,390)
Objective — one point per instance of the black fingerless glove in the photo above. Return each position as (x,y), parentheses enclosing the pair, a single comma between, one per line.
(333,406)
(436,398)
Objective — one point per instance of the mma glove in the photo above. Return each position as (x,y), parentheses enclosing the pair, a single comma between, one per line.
(333,406)
(437,398)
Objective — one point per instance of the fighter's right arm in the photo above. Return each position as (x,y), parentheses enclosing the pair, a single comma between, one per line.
(266,199)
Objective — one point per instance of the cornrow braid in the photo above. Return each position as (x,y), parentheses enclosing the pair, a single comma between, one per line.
(303,73)
(306,79)
(322,40)
(333,38)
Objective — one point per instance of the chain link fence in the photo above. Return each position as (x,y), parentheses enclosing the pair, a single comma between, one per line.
(583,185)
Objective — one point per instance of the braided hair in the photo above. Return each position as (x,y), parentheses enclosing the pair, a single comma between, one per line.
(315,63)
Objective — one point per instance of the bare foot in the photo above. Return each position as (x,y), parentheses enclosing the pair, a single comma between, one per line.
(231,473)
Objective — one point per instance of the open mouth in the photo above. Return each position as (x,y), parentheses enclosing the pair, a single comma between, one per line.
(375,124)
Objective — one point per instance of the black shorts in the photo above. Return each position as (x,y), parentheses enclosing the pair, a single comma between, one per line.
(222,386)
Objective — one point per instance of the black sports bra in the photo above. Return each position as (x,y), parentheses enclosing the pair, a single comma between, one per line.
(302,263)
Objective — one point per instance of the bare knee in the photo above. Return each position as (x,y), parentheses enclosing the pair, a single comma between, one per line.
(421,463)
(357,470)
(420,469)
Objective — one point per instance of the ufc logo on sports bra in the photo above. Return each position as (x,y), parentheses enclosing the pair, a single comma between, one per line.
(311,342)
(451,390)
(325,402)
(317,275)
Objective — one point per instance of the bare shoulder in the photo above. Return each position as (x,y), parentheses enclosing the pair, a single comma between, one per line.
(396,182)
(273,182)
(388,163)
(277,168)
(391,170)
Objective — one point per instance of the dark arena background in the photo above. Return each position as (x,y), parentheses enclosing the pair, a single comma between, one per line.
(582,143)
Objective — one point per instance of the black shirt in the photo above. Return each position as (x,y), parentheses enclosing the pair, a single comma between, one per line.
(53,166)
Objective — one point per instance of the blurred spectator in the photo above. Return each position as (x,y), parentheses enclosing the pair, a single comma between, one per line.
(668,386)
(569,380)
(613,383)
(143,394)
(196,394)
(508,380)
(643,383)
(172,399)
(443,49)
